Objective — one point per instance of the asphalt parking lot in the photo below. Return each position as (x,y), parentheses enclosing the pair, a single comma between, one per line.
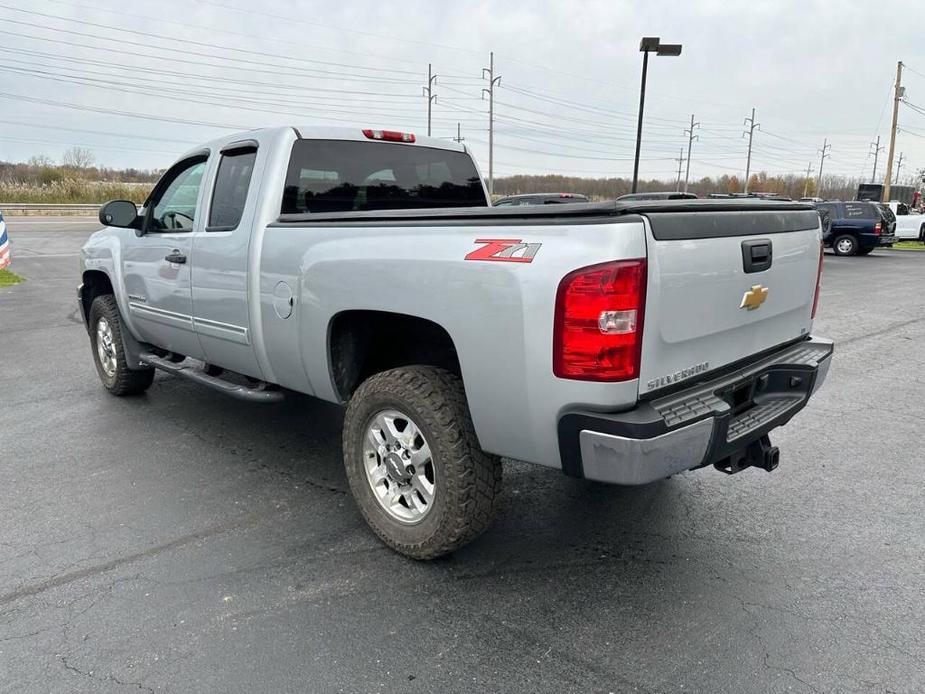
(182,541)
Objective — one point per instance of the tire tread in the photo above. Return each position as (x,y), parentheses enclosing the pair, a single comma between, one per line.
(474,478)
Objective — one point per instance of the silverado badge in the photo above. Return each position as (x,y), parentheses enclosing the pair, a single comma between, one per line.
(754,297)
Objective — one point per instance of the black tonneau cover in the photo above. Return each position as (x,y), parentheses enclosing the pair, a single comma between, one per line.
(754,216)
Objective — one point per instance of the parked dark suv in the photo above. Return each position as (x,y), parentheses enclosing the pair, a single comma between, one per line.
(855,228)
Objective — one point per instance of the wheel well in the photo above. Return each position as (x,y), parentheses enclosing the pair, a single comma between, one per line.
(96,283)
(363,343)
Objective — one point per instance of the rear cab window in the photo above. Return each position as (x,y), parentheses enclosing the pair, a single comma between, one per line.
(354,176)
(231,185)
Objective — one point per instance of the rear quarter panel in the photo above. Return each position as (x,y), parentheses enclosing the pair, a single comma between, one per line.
(499,314)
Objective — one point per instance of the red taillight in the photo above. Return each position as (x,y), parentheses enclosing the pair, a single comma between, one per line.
(818,282)
(389,135)
(877,227)
(598,325)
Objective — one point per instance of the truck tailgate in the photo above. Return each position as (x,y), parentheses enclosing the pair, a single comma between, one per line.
(712,299)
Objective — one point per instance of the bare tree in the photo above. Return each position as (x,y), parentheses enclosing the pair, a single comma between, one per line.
(40,161)
(78,158)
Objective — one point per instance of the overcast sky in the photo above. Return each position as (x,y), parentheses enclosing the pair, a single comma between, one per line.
(566,103)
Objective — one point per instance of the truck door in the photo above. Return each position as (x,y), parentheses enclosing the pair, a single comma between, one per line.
(156,265)
(220,307)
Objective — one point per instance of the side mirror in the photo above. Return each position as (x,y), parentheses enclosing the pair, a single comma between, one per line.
(120,213)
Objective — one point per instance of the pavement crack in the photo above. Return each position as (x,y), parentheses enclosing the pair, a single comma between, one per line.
(64,579)
(90,674)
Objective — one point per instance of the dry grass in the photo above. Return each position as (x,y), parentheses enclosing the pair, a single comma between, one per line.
(72,191)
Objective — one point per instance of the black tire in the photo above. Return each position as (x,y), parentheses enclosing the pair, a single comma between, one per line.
(123,381)
(467,485)
(922,234)
(848,243)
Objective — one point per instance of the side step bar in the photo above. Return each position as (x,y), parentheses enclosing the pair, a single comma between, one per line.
(258,393)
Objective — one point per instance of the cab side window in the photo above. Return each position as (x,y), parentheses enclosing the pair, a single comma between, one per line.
(231,184)
(173,204)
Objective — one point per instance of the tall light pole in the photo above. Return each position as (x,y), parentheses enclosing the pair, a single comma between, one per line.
(752,126)
(690,141)
(489,72)
(428,91)
(899,165)
(649,44)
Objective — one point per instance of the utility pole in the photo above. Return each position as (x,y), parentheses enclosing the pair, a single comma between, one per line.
(877,147)
(492,82)
(899,165)
(690,141)
(752,126)
(823,154)
(897,95)
(459,137)
(809,171)
(680,161)
(428,91)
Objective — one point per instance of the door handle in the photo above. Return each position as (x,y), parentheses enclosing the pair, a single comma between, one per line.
(175,257)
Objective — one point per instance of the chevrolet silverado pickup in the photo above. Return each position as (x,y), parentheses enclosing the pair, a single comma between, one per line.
(617,342)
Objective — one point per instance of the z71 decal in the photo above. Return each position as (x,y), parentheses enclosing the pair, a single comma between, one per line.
(504,250)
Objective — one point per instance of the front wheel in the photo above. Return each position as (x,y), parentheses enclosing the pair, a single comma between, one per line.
(414,464)
(108,354)
(845,245)
(922,234)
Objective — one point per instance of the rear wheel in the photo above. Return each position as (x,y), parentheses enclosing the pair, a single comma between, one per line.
(108,354)
(922,234)
(845,245)
(414,463)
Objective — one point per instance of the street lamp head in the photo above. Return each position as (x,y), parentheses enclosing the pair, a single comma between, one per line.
(649,43)
(669,49)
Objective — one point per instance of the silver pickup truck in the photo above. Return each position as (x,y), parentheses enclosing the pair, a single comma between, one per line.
(619,342)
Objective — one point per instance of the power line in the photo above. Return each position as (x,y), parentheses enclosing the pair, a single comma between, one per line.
(188,41)
(292,69)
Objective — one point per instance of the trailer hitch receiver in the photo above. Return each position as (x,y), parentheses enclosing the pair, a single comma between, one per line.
(759,453)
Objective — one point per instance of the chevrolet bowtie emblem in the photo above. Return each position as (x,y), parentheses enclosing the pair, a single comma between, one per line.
(754,297)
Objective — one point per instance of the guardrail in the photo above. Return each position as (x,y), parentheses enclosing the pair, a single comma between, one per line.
(13,209)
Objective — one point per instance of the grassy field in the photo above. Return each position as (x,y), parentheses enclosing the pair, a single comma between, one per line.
(909,246)
(8,279)
(73,191)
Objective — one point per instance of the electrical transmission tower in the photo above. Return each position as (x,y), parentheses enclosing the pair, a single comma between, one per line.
(752,126)
(823,155)
(809,172)
(493,81)
(898,94)
(428,91)
(690,141)
(681,159)
(876,147)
